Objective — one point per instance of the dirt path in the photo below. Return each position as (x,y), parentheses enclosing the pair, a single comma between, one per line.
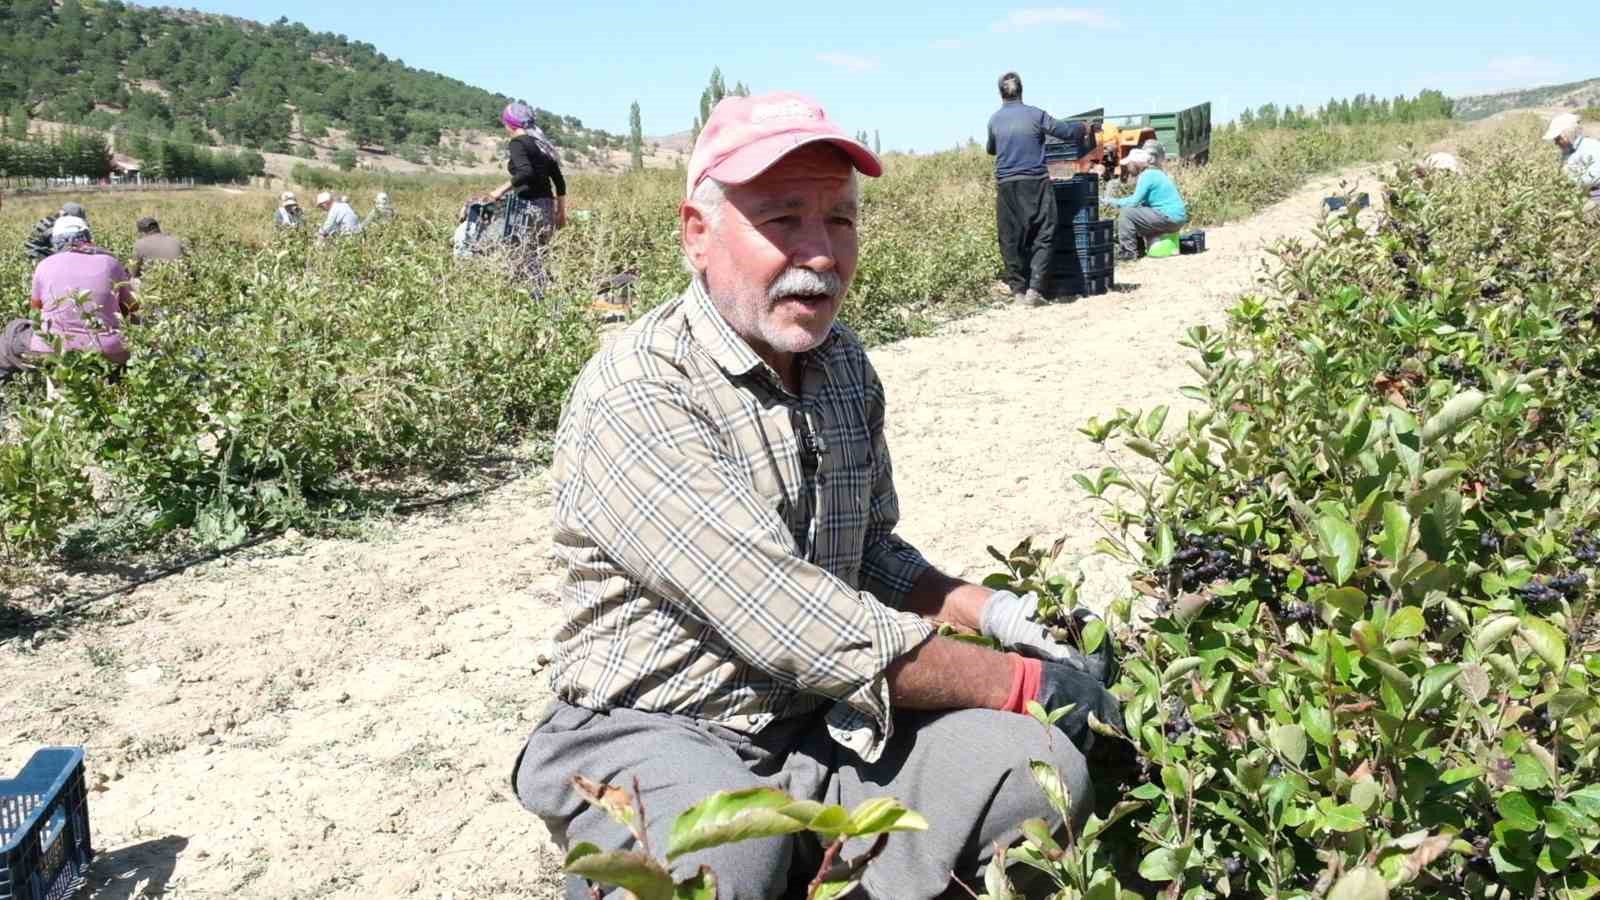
(338,718)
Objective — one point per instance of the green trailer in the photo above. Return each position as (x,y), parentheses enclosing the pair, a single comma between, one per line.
(1186,134)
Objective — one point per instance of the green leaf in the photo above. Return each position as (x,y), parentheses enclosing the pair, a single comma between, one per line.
(1395,541)
(728,817)
(1364,883)
(627,869)
(1434,681)
(1364,795)
(1517,811)
(1181,667)
(1154,422)
(1163,864)
(1290,742)
(1494,631)
(1055,790)
(1407,622)
(1338,545)
(1146,449)
(1093,634)
(1546,640)
(1344,818)
(1454,414)
(881,815)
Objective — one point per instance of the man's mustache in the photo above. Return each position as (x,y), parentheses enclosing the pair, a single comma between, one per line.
(798,282)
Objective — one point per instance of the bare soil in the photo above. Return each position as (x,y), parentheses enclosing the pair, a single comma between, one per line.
(339,717)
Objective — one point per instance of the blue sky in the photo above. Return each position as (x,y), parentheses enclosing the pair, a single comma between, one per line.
(923,73)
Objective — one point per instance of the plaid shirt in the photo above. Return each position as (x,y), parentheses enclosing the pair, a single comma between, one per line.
(729,546)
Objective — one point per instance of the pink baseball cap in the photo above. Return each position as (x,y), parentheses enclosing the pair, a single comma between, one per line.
(746,136)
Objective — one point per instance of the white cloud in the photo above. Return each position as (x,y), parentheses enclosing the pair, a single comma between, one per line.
(1022,19)
(848,62)
(948,44)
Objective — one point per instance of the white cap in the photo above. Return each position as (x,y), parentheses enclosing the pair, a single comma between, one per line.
(1138,158)
(1560,125)
(324,197)
(287,197)
(67,226)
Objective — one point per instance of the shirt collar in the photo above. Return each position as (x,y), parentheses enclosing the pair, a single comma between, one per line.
(730,351)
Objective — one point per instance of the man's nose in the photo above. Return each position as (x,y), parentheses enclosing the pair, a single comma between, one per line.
(814,248)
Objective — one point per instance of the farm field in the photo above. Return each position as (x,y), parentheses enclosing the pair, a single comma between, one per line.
(356,696)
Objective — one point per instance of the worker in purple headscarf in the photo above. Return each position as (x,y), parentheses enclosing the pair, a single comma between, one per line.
(535,167)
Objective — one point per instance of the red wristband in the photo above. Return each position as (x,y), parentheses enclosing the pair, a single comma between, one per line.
(1025,677)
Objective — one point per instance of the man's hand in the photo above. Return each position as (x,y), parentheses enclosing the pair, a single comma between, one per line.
(1064,686)
(1009,619)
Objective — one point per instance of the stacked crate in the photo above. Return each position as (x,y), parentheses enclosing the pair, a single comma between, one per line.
(1083,258)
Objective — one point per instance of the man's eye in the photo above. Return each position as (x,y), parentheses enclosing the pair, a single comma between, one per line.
(786,221)
(842,222)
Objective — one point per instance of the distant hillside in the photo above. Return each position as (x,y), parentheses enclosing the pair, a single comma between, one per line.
(1574,95)
(208,79)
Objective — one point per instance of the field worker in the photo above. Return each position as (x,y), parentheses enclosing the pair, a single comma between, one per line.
(1153,209)
(539,191)
(738,609)
(341,218)
(83,296)
(38,244)
(1025,207)
(1580,157)
(154,244)
(288,214)
(381,210)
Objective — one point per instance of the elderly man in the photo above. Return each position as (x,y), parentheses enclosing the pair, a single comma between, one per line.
(1025,208)
(738,609)
(1153,209)
(1580,157)
(342,219)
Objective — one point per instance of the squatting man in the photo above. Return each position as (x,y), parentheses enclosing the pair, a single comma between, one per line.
(738,610)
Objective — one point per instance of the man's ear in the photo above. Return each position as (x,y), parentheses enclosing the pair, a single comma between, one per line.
(696,235)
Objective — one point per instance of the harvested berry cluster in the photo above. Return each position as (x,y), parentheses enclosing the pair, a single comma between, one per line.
(1553,590)
(1202,559)
(1457,371)
(1178,723)
(1584,546)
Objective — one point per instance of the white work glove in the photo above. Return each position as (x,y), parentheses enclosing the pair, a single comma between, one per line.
(1009,619)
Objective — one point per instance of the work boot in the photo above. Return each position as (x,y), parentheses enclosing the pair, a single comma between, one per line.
(1028,300)
(1003,291)
(1125,256)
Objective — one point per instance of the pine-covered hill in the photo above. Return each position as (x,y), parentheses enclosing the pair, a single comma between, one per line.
(203,78)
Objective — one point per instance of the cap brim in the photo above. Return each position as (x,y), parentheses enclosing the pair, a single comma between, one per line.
(750,161)
(1553,133)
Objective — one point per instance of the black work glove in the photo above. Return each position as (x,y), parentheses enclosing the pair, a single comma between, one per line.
(1062,685)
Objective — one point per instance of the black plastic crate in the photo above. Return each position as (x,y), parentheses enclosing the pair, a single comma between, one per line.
(44,827)
(1093,236)
(1094,285)
(1077,200)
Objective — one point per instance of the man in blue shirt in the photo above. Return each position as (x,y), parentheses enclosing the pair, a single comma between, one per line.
(1154,208)
(1024,206)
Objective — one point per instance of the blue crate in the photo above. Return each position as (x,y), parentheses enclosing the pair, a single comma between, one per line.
(44,827)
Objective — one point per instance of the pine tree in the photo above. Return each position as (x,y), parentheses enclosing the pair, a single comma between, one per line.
(636,136)
(17,121)
(877,146)
(694,133)
(717,89)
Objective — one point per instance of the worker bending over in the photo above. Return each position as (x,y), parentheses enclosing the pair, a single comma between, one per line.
(1580,158)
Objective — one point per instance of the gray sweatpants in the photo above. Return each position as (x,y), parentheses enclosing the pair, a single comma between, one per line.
(966,772)
(15,339)
(1135,222)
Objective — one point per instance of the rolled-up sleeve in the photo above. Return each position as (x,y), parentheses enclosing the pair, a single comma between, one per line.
(658,492)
